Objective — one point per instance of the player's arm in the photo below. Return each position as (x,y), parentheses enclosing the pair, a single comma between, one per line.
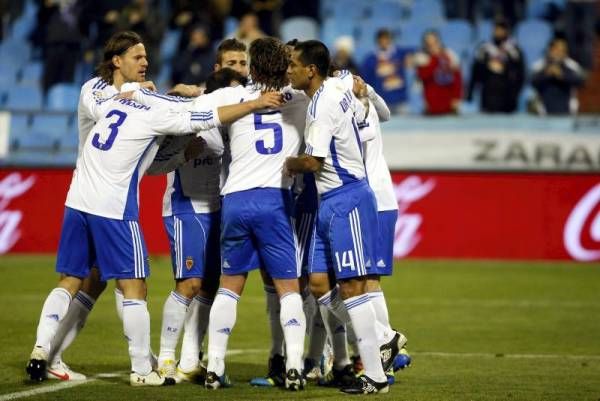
(381,107)
(165,161)
(155,99)
(302,164)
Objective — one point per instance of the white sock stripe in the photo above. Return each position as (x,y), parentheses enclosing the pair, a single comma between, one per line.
(375,294)
(286,294)
(180,231)
(84,300)
(356,301)
(361,255)
(325,299)
(180,298)
(226,292)
(176,245)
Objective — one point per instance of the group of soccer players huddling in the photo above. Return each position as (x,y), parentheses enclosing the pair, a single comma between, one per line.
(277,165)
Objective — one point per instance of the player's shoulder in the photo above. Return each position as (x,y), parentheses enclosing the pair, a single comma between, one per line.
(96,83)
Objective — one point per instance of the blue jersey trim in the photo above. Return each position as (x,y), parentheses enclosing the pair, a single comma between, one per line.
(131,206)
(344,174)
(180,203)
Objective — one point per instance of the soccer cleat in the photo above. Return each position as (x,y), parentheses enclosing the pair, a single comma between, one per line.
(167,368)
(214,382)
(365,385)
(151,379)
(61,371)
(391,379)
(294,380)
(196,375)
(312,371)
(275,377)
(389,350)
(36,368)
(339,378)
(402,360)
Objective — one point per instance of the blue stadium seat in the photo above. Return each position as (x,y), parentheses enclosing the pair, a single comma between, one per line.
(331,30)
(19,126)
(484,31)
(22,26)
(8,73)
(231,25)
(69,142)
(411,34)
(24,98)
(539,8)
(36,142)
(16,51)
(458,36)
(32,73)
(530,33)
(389,10)
(302,28)
(63,97)
(169,44)
(427,12)
(347,10)
(54,125)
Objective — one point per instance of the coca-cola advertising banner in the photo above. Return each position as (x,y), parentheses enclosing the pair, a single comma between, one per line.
(441,215)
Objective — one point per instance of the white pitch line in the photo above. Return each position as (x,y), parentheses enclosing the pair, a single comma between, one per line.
(45,389)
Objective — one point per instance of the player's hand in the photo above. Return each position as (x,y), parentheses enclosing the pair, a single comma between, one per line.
(359,87)
(185,90)
(125,95)
(286,171)
(269,100)
(148,85)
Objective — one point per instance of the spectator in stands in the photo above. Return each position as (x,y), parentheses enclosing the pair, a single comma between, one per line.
(500,70)
(344,48)
(439,70)
(195,63)
(555,79)
(186,14)
(385,70)
(248,29)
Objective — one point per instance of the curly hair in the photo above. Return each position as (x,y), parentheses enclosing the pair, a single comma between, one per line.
(269,61)
(117,45)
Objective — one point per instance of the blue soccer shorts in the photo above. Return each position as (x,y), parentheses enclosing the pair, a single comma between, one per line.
(385,242)
(344,240)
(194,240)
(116,246)
(257,228)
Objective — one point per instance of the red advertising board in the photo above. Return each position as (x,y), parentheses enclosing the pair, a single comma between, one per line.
(442,215)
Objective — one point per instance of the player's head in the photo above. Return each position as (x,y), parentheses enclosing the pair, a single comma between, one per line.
(309,62)
(124,58)
(558,49)
(231,53)
(268,63)
(223,78)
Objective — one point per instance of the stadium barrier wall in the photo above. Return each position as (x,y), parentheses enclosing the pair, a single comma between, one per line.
(442,214)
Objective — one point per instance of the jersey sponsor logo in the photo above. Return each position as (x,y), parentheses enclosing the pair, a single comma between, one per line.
(189,263)
(409,191)
(12,186)
(582,228)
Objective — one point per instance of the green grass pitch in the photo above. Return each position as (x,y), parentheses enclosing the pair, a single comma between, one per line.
(477,331)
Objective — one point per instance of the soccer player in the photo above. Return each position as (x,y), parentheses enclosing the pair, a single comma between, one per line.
(191,213)
(101,216)
(345,236)
(124,61)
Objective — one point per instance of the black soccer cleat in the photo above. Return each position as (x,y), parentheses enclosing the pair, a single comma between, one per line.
(36,369)
(366,385)
(389,350)
(294,381)
(339,378)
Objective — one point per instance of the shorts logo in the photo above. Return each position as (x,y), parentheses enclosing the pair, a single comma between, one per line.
(189,262)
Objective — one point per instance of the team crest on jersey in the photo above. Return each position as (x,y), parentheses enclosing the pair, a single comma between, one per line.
(189,262)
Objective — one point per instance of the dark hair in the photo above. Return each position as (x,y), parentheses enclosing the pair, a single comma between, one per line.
(433,32)
(292,42)
(383,32)
(118,44)
(229,45)
(222,79)
(314,52)
(269,61)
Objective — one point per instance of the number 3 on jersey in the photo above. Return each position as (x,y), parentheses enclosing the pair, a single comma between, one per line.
(277,135)
(114,131)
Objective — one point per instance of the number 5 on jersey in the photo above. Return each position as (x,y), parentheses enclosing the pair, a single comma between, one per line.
(277,135)
(114,131)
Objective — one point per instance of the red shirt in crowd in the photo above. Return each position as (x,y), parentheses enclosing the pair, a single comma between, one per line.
(442,81)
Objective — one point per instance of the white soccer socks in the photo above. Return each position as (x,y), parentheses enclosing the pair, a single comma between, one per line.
(293,323)
(222,319)
(174,313)
(378,301)
(194,329)
(362,315)
(119,303)
(336,331)
(136,326)
(79,309)
(54,310)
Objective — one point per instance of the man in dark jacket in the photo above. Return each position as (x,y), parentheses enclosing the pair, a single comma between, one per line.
(500,70)
(555,79)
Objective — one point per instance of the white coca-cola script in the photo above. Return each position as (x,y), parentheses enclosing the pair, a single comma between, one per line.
(410,190)
(573,233)
(12,186)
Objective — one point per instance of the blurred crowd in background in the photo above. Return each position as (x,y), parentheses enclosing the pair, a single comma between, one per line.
(423,56)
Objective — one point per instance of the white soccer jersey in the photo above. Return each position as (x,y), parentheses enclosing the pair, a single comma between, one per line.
(194,187)
(117,152)
(378,173)
(259,142)
(332,133)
